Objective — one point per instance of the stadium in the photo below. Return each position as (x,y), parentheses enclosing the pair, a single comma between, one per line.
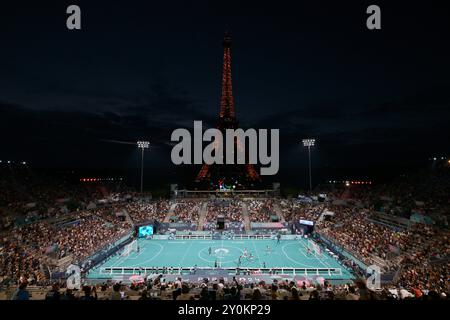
(128,246)
(94,208)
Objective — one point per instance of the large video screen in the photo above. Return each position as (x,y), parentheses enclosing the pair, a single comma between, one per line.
(145,231)
(307,222)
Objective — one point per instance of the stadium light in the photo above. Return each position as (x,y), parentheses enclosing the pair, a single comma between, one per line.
(142,145)
(309,143)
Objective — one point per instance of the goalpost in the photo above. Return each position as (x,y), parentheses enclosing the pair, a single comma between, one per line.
(130,248)
(315,248)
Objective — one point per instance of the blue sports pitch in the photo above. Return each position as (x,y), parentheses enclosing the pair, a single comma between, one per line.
(223,253)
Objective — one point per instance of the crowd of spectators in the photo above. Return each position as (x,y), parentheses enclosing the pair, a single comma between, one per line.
(17,260)
(419,253)
(294,210)
(424,192)
(143,211)
(158,289)
(231,210)
(428,267)
(27,195)
(261,210)
(30,249)
(187,211)
(351,229)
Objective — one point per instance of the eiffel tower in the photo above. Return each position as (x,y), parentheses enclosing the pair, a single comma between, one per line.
(241,175)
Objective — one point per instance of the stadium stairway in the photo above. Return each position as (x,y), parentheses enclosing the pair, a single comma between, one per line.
(378,261)
(246,216)
(202,215)
(128,217)
(416,246)
(171,211)
(279,213)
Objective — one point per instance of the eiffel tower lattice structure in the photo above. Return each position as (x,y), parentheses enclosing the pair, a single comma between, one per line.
(241,176)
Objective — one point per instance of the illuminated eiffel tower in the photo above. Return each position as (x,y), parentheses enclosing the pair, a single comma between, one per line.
(242,175)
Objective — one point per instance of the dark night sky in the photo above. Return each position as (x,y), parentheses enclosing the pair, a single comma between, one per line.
(138,70)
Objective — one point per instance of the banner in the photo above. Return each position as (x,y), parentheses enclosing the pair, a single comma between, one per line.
(307,222)
(266,225)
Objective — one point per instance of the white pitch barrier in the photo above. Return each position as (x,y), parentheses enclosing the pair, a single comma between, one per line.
(129,248)
(315,248)
(231,271)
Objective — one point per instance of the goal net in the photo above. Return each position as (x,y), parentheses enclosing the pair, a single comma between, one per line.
(129,248)
(314,248)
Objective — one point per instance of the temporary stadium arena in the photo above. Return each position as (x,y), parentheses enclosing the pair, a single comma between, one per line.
(339,242)
(125,173)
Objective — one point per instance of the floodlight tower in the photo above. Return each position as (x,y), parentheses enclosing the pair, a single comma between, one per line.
(142,145)
(309,143)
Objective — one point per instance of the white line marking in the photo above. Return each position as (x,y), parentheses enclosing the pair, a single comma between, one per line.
(137,255)
(161,248)
(293,260)
(257,253)
(184,256)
